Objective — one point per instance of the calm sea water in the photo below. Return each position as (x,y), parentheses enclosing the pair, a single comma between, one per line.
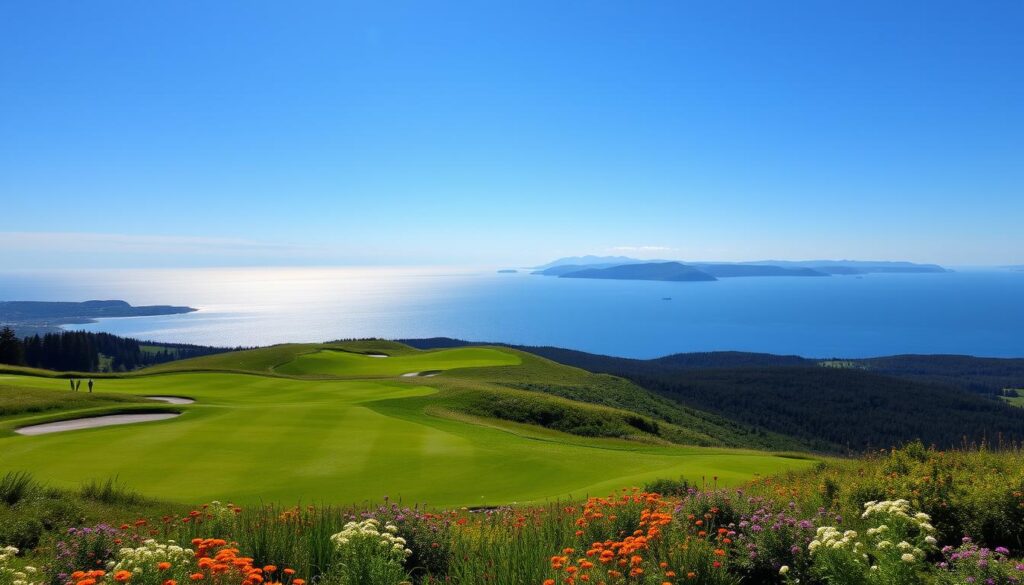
(979,313)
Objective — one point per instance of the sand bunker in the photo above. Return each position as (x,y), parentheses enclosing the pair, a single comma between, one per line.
(171,399)
(427,374)
(378,355)
(93,422)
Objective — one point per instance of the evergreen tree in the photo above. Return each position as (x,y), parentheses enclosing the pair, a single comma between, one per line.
(11,351)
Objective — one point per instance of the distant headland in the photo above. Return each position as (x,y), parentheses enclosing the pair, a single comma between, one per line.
(624,268)
(42,316)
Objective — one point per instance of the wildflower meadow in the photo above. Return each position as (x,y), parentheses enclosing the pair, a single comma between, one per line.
(899,517)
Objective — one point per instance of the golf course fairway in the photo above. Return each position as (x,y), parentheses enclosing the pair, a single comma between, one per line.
(296,435)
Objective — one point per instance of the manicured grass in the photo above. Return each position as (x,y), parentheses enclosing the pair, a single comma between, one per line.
(21,400)
(251,438)
(345,363)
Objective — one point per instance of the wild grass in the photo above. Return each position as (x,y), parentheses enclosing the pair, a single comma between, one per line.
(18,399)
(721,536)
(16,486)
(110,491)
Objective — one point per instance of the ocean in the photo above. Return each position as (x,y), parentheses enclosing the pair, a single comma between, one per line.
(968,312)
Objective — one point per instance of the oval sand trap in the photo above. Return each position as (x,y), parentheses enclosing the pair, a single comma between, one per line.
(93,422)
(171,399)
(427,374)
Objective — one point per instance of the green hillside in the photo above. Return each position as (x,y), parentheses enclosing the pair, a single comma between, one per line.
(330,423)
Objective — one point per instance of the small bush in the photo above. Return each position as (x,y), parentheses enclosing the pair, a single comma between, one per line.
(19,529)
(668,487)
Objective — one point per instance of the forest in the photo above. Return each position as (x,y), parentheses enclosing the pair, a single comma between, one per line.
(81,351)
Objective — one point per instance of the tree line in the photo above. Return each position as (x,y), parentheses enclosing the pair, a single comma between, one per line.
(82,351)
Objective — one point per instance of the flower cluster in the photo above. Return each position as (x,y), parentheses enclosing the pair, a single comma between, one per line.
(369,530)
(891,552)
(366,553)
(619,558)
(829,537)
(85,549)
(156,559)
(10,575)
(970,563)
(213,562)
(898,510)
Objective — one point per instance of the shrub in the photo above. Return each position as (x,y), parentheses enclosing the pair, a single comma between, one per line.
(970,563)
(19,529)
(668,487)
(83,549)
(369,555)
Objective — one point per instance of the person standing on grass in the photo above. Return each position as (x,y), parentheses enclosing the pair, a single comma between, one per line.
(78,384)
(90,385)
(72,382)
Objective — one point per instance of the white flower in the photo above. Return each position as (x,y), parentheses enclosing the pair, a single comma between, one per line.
(930,539)
(783,569)
(908,558)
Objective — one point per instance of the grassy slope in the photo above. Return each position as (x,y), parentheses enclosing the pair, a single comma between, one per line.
(488,391)
(689,425)
(348,364)
(22,400)
(269,437)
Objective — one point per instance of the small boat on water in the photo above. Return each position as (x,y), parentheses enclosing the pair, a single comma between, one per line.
(666,298)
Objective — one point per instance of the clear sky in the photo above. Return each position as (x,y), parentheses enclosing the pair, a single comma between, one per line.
(181,132)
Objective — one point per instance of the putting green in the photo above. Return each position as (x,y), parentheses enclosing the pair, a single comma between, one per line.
(250,438)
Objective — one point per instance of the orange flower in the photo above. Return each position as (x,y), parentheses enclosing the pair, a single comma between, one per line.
(163,566)
(196,576)
(122,576)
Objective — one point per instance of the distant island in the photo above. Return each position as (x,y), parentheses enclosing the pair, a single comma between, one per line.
(671,271)
(28,317)
(623,268)
(508,271)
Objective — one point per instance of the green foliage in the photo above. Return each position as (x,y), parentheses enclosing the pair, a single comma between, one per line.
(15,486)
(110,491)
(668,487)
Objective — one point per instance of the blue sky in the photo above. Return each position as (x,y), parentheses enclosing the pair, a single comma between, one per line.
(484,133)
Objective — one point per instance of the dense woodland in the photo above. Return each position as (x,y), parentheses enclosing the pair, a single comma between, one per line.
(872,403)
(81,351)
(853,410)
